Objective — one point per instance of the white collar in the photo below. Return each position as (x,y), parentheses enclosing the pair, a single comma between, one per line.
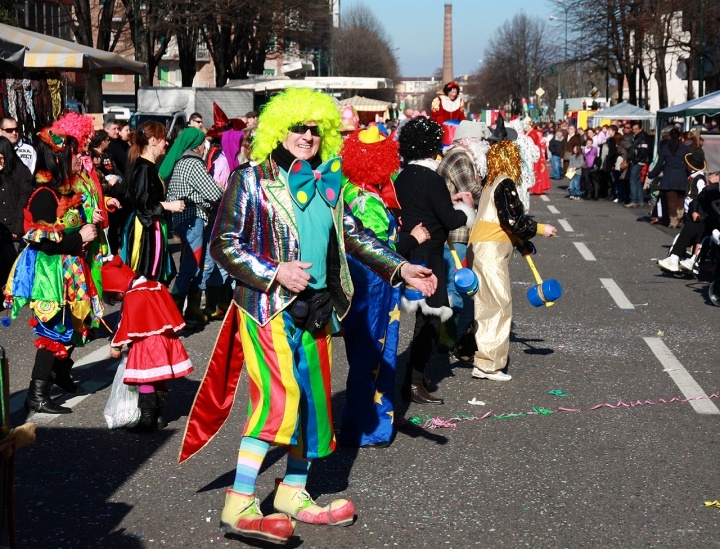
(426,162)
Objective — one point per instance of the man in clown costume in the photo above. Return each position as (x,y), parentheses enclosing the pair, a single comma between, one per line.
(282,232)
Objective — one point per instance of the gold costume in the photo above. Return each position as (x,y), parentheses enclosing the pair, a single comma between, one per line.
(500,225)
(491,251)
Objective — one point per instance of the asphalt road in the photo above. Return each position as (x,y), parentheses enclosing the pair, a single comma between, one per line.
(619,462)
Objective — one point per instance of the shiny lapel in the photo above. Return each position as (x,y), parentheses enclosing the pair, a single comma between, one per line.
(277,193)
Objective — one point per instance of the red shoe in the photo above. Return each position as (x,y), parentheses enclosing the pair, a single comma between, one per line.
(297,503)
(241,516)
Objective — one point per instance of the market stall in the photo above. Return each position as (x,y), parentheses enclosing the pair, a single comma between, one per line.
(33,63)
(368,109)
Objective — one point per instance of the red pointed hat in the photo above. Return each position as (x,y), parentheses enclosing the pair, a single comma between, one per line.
(221,123)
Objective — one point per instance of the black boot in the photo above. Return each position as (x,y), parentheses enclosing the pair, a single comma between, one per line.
(38,399)
(147,402)
(162,400)
(60,375)
(193,313)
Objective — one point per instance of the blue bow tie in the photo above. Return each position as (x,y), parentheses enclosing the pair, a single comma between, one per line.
(303,180)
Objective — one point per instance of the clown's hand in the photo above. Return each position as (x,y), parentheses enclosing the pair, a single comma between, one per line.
(293,275)
(419,277)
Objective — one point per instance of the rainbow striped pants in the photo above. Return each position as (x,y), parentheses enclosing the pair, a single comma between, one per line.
(290,391)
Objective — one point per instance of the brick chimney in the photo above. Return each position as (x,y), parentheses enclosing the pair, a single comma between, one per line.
(447,72)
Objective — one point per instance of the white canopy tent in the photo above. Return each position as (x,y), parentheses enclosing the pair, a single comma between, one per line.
(625,111)
(43,52)
(707,105)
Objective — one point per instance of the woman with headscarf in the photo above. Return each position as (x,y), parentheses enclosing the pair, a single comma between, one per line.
(145,241)
(52,275)
(190,183)
(425,198)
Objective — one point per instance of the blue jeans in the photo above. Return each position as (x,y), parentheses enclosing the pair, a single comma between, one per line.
(636,188)
(461,305)
(194,236)
(574,188)
(213,274)
(557,166)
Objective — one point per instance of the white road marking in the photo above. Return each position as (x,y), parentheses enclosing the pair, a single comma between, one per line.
(565,225)
(584,251)
(97,355)
(17,401)
(544,198)
(682,378)
(91,387)
(553,210)
(616,293)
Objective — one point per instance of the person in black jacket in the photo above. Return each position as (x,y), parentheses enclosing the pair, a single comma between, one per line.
(639,157)
(671,163)
(15,190)
(424,198)
(556,151)
(609,156)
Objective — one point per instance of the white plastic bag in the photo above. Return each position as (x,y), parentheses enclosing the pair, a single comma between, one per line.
(122,409)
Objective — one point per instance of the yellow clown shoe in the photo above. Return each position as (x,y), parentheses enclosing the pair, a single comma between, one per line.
(241,516)
(297,503)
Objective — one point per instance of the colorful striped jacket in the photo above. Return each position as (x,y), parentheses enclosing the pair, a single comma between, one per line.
(256,230)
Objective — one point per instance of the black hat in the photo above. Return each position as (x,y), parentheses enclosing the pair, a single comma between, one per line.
(501,132)
(695,160)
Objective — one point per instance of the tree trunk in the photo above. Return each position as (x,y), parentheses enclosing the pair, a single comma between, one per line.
(187,52)
(661,79)
(94,92)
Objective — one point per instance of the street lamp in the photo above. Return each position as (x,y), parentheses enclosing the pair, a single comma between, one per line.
(565,8)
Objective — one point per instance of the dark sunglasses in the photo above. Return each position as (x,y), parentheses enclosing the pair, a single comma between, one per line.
(303,128)
(10,130)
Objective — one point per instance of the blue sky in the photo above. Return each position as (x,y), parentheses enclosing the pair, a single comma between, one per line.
(416,28)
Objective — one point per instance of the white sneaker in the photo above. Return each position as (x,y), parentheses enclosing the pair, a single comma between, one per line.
(669,264)
(687,264)
(616,200)
(716,236)
(477,373)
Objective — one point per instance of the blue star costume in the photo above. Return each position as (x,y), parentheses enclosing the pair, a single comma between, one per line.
(372,330)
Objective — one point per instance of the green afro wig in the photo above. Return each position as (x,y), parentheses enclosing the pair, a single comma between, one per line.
(297,106)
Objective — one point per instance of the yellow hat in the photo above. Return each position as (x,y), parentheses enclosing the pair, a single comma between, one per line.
(371,135)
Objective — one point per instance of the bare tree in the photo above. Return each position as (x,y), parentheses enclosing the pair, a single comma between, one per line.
(362,48)
(150,38)
(519,57)
(83,25)
(240,35)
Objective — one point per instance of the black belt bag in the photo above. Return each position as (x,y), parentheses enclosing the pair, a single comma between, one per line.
(312,310)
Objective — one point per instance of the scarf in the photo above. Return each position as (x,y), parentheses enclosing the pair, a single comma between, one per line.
(188,139)
(283,158)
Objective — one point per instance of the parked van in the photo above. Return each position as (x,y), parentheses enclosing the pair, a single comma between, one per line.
(174,123)
(116,112)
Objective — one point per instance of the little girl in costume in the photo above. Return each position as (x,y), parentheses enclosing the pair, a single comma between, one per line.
(149,323)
